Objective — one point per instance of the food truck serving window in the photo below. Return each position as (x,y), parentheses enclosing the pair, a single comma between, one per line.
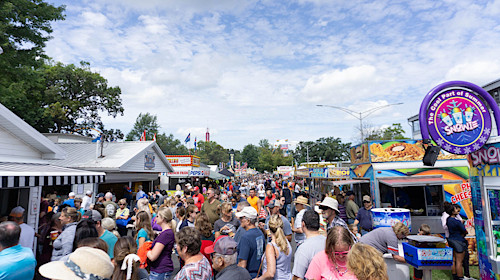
(422,200)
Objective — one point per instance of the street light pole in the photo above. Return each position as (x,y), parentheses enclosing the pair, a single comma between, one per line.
(360,115)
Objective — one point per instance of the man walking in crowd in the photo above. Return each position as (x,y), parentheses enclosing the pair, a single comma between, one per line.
(27,233)
(251,245)
(102,233)
(364,217)
(87,200)
(210,206)
(300,206)
(110,205)
(314,243)
(71,200)
(241,230)
(224,256)
(198,198)
(254,200)
(287,193)
(16,261)
(274,209)
(140,193)
(330,210)
(351,207)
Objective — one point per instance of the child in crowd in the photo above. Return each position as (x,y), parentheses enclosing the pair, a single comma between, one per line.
(354,229)
(424,229)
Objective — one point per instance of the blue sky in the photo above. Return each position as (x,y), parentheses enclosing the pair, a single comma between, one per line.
(252,70)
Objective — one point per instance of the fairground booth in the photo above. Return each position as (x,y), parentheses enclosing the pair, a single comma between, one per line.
(459,116)
(26,172)
(187,169)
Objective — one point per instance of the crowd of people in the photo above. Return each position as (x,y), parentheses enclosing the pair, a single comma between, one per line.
(259,228)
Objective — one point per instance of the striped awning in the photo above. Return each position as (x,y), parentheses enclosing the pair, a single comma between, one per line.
(29,175)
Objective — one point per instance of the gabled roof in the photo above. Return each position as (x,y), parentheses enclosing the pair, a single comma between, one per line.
(118,156)
(27,134)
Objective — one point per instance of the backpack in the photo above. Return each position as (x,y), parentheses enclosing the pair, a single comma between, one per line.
(111,210)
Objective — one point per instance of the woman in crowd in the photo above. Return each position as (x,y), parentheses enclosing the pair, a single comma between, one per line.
(122,217)
(366,263)
(196,265)
(228,223)
(84,229)
(126,261)
(160,255)
(63,245)
(191,213)
(93,242)
(456,240)
(110,225)
(278,256)
(143,227)
(180,213)
(332,262)
(204,227)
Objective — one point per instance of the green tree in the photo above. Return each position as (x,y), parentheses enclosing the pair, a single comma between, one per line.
(144,122)
(323,149)
(170,145)
(211,152)
(395,131)
(74,97)
(24,30)
(270,158)
(250,155)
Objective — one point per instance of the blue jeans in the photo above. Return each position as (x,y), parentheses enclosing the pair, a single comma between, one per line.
(160,276)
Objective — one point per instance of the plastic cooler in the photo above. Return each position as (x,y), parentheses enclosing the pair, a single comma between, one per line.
(419,257)
(387,217)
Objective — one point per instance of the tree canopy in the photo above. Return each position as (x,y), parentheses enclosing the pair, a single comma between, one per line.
(395,131)
(211,152)
(323,149)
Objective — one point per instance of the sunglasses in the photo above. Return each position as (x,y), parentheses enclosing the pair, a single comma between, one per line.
(122,204)
(342,254)
(366,201)
(324,208)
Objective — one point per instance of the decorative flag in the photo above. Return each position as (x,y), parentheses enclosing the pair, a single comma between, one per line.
(154,137)
(98,139)
(143,137)
(195,144)
(188,138)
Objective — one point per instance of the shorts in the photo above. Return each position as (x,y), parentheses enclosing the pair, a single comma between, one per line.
(458,246)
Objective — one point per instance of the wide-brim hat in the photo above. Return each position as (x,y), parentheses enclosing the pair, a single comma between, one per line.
(86,260)
(301,200)
(330,203)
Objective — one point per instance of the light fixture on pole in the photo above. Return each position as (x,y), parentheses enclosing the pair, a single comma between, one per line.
(360,115)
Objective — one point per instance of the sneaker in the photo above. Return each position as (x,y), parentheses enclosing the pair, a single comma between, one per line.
(469,278)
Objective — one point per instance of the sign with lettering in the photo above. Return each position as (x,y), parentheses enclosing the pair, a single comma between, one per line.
(339,172)
(455,115)
(186,160)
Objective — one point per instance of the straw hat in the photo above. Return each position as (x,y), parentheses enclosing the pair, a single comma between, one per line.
(301,200)
(83,263)
(330,203)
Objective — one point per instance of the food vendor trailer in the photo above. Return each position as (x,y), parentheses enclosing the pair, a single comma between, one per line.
(398,178)
(457,116)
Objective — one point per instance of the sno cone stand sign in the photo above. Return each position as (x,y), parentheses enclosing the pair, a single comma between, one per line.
(456,115)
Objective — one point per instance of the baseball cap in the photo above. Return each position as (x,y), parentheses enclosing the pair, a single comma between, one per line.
(349,193)
(99,195)
(274,203)
(92,215)
(196,189)
(88,192)
(71,194)
(223,245)
(17,211)
(367,198)
(248,212)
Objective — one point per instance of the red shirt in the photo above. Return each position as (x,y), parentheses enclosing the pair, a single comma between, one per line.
(198,200)
(268,199)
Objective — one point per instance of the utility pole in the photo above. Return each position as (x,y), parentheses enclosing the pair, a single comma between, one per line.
(360,115)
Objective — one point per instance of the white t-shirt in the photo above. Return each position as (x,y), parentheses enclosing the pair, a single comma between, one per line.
(86,200)
(27,236)
(299,237)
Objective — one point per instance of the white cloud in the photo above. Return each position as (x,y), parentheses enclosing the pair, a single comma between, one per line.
(252,70)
